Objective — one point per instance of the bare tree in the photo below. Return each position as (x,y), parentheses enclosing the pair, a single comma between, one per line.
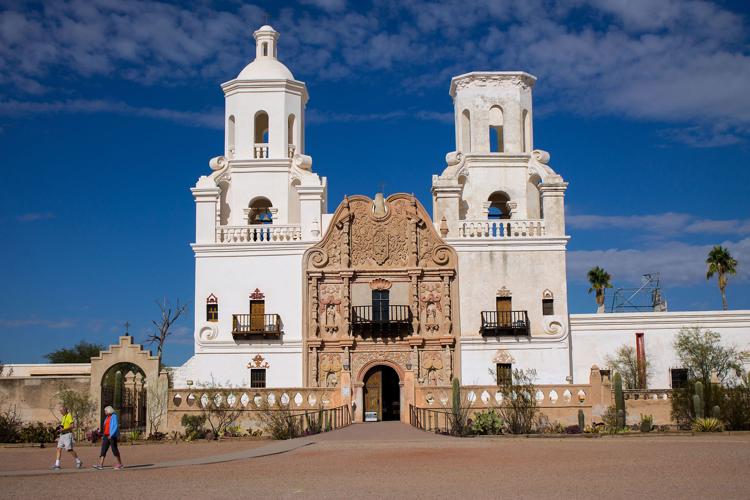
(169,315)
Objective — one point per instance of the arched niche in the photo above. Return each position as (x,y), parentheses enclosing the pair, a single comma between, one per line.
(498,206)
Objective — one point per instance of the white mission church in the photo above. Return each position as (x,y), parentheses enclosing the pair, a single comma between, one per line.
(380,299)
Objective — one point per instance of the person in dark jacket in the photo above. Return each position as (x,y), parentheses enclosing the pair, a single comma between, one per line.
(110,433)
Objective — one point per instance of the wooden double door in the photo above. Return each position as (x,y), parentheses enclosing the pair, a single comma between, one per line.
(382,395)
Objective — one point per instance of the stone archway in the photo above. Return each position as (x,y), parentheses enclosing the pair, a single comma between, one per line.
(124,387)
(127,353)
(381,394)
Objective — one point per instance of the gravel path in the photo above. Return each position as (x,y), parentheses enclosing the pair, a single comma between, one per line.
(392,460)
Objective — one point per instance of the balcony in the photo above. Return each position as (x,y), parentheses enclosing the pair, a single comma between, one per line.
(501,229)
(258,233)
(367,320)
(505,323)
(250,325)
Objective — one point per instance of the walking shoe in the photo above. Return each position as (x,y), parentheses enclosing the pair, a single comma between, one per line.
(55,467)
(79,464)
(119,467)
(97,467)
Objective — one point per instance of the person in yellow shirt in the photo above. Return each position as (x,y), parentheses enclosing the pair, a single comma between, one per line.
(65,441)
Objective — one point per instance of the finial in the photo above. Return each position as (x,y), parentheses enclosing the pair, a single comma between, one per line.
(127,328)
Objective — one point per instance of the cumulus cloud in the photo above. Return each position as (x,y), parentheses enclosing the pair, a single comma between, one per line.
(684,63)
(678,263)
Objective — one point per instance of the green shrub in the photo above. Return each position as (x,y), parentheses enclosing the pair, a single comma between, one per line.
(193,425)
(38,432)
(10,425)
(735,408)
(709,424)
(647,423)
(487,422)
(610,419)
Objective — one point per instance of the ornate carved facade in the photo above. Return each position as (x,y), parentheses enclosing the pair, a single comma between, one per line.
(391,250)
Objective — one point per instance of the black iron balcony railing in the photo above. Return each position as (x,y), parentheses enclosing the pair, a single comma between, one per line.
(495,323)
(267,325)
(369,315)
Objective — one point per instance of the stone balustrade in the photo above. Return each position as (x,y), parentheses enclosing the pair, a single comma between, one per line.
(258,234)
(260,150)
(252,399)
(501,229)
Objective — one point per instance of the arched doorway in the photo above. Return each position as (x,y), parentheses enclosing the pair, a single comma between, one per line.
(382,394)
(124,388)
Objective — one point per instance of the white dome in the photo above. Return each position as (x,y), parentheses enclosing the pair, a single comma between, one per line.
(265,68)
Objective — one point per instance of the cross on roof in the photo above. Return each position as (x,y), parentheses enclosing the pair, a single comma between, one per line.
(127,327)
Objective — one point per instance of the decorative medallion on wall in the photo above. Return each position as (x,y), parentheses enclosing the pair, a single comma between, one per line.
(380,284)
(502,356)
(257,295)
(503,292)
(258,362)
(432,368)
(547,294)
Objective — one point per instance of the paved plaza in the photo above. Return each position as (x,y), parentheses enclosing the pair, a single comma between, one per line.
(390,459)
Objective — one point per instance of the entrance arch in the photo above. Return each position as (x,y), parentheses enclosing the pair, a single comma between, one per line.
(381,394)
(124,388)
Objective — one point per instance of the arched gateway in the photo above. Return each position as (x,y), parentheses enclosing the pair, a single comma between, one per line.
(380,302)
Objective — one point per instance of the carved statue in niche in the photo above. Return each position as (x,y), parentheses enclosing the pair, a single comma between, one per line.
(330,369)
(432,368)
(431,298)
(329,308)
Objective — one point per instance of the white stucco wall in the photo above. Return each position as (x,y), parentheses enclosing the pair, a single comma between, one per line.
(596,336)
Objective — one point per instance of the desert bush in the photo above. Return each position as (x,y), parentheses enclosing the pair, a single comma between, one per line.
(38,432)
(647,423)
(487,422)
(10,425)
(735,407)
(218,413)
(194,426)
(573,429)
(279,420)
(610,419)
(519,410)
(81,407)
(156,436)
(709,424)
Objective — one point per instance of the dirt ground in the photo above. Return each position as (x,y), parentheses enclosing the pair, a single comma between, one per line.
(393,460)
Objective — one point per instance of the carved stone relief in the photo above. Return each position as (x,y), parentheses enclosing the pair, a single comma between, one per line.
(430,298)
(329,310)
(330,369)
(360,359)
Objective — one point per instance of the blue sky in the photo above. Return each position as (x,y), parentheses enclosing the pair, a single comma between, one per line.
(110,110)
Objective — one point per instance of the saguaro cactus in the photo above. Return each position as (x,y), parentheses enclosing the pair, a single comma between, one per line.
(581,420)
(456,400)
(117,402)
(619,401)
(698,400)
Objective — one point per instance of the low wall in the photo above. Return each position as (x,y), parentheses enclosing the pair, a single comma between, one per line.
(249,401)
(35,397)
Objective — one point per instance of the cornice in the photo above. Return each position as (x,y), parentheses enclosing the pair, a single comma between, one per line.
(520,79)
(240,86)
(508,245)
(676,319)
(271,248)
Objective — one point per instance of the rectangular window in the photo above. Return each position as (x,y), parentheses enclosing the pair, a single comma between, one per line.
(258,378)
(548,307)
(380,302)
(504,372)
(212,312)
(679,377)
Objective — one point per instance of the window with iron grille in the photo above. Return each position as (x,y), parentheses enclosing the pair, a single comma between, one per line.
(380,302)
(679,378)
(504,372)
(258,378)
(548,307)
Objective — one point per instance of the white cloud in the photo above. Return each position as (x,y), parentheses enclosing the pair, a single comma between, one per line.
(35,216)
(44,323)
(211,119)
(682,63)
(666,225)
(678,263)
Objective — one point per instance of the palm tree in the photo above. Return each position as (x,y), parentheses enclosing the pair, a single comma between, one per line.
(721,262)
(599,279)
